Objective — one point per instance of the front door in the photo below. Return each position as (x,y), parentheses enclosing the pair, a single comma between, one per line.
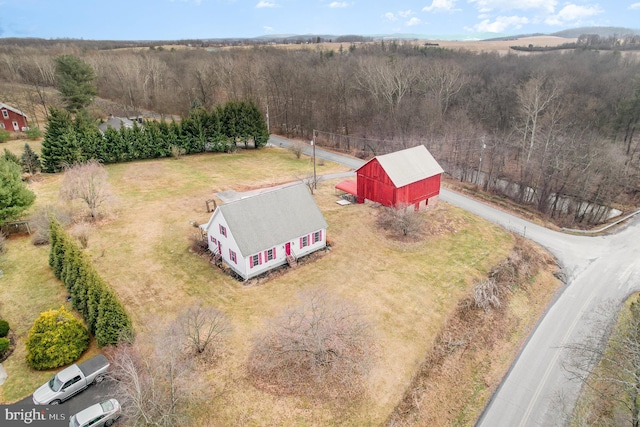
(15,126)
(219,247)
(287,248)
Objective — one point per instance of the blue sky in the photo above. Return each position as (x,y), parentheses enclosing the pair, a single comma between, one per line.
(186,19)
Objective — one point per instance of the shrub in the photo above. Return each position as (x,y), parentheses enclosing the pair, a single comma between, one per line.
(4,345)
(4,328)
(57,338)
(33,133)
(5,135)
(39,222)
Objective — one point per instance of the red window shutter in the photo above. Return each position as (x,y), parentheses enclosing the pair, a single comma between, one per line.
(301,242)
(211,237)
(266,256)
(274,253)
(260,258)
(320,235)
(250,262)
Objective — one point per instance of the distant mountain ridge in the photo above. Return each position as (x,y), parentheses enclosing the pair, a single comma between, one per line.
(600,31)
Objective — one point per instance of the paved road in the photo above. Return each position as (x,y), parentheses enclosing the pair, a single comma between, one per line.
(597,269)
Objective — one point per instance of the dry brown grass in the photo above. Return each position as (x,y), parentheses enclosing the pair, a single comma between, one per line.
(475,347)
(407,289)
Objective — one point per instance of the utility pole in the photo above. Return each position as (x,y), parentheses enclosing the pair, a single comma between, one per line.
(268,130)
(480,164)
(313,144)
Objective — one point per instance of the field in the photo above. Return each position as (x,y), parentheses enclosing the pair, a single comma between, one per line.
(407,289)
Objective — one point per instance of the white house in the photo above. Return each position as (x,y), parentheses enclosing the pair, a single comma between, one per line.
(261,232)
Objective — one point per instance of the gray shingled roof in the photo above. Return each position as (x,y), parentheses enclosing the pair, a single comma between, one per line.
(272,218)
(410,165)
(15,110)
(116,123)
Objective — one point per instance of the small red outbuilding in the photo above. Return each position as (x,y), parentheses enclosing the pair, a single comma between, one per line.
(403,178)
(12,119)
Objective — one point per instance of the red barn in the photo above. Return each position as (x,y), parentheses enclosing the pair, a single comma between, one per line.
(404,178)
(12,119)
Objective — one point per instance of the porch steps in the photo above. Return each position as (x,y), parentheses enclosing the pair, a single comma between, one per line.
(291,259)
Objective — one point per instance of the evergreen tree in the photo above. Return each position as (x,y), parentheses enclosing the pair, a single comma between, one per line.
(57,338)
(15,197)
(113,321)
(30,160)
(95,290)
(75,79)
(10,156)
(60,146)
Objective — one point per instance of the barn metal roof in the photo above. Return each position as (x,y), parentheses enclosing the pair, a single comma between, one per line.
(15,110)
(410,165)
(272,218)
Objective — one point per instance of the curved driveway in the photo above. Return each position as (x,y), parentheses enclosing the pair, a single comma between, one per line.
(597,269)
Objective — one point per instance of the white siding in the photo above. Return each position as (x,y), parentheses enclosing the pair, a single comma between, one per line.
(227,242)
(244,266)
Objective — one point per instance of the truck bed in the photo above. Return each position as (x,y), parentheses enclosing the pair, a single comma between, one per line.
(93,365)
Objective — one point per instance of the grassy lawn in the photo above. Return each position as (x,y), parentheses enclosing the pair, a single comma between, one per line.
(408,289)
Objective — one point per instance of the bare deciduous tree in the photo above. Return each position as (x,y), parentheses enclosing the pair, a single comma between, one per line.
(87,182)
(154,380)
(320,347)
(203,327)
(404,220)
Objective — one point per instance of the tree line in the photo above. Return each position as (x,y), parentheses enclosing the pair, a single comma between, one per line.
(98,304)
(550,124)
(69,140)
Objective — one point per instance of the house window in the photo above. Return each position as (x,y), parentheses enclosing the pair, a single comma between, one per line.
(223,230)
(271,254)
(5,114)
(1,125)
(255,260)
(213,240)
(232,256)
(304,241)
(317,236)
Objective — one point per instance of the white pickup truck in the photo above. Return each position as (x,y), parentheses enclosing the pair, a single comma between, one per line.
(71,381)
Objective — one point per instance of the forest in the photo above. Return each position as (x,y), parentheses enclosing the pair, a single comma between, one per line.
(551,130)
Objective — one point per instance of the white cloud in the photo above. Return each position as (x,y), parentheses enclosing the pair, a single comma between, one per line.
(634,6)
(338,4)
(390,16)
(267,29)
(263,3)
(573,13)
(489,5)
(500,24)
(413,21)
(405,13)
(441,6)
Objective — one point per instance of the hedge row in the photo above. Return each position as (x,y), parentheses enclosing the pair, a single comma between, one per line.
(70,140)
(104,314)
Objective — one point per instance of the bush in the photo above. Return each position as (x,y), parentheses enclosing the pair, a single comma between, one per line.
(4,345)
(5,135)
(33,133)
(4,328)
(57,338)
